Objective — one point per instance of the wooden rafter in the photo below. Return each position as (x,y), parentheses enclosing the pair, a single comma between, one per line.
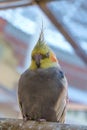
(79,51)
(6,4)
(15,3)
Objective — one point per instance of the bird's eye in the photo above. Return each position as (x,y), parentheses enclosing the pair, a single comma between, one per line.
(45,56)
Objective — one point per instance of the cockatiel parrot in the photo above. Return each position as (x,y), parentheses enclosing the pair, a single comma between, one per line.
(42,90)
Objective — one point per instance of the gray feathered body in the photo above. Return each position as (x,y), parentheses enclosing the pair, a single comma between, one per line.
(43,94)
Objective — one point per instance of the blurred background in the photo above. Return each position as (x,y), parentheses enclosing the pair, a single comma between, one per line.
(65,31)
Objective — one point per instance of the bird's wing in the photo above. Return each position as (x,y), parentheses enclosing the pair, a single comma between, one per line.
(61,107)
(21,91)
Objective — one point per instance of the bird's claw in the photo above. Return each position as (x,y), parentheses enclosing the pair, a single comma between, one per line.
(41,120)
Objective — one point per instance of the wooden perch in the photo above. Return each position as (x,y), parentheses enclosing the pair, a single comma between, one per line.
(18,124)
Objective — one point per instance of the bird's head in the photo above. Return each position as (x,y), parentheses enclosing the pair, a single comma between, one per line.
(42,56)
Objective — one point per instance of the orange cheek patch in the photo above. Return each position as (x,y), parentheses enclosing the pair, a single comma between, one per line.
(53,58)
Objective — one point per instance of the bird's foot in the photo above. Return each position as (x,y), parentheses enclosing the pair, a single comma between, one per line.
(41,120)
(26,118)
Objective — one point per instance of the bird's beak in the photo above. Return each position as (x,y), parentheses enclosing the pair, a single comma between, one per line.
(37,58)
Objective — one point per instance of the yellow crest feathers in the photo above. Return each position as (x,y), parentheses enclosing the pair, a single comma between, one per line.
(41,46)
(41,40)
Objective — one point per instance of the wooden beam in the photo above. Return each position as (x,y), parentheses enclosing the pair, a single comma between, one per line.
(6,4)
(19,124)
(15,3)
(79,51)
(45,1)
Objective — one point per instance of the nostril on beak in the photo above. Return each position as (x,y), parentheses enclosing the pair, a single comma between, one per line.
(37,59)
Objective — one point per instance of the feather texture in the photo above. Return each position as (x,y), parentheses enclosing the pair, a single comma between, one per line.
(42,87)
(43,95)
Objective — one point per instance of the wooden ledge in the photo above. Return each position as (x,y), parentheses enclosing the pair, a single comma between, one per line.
(18,124)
